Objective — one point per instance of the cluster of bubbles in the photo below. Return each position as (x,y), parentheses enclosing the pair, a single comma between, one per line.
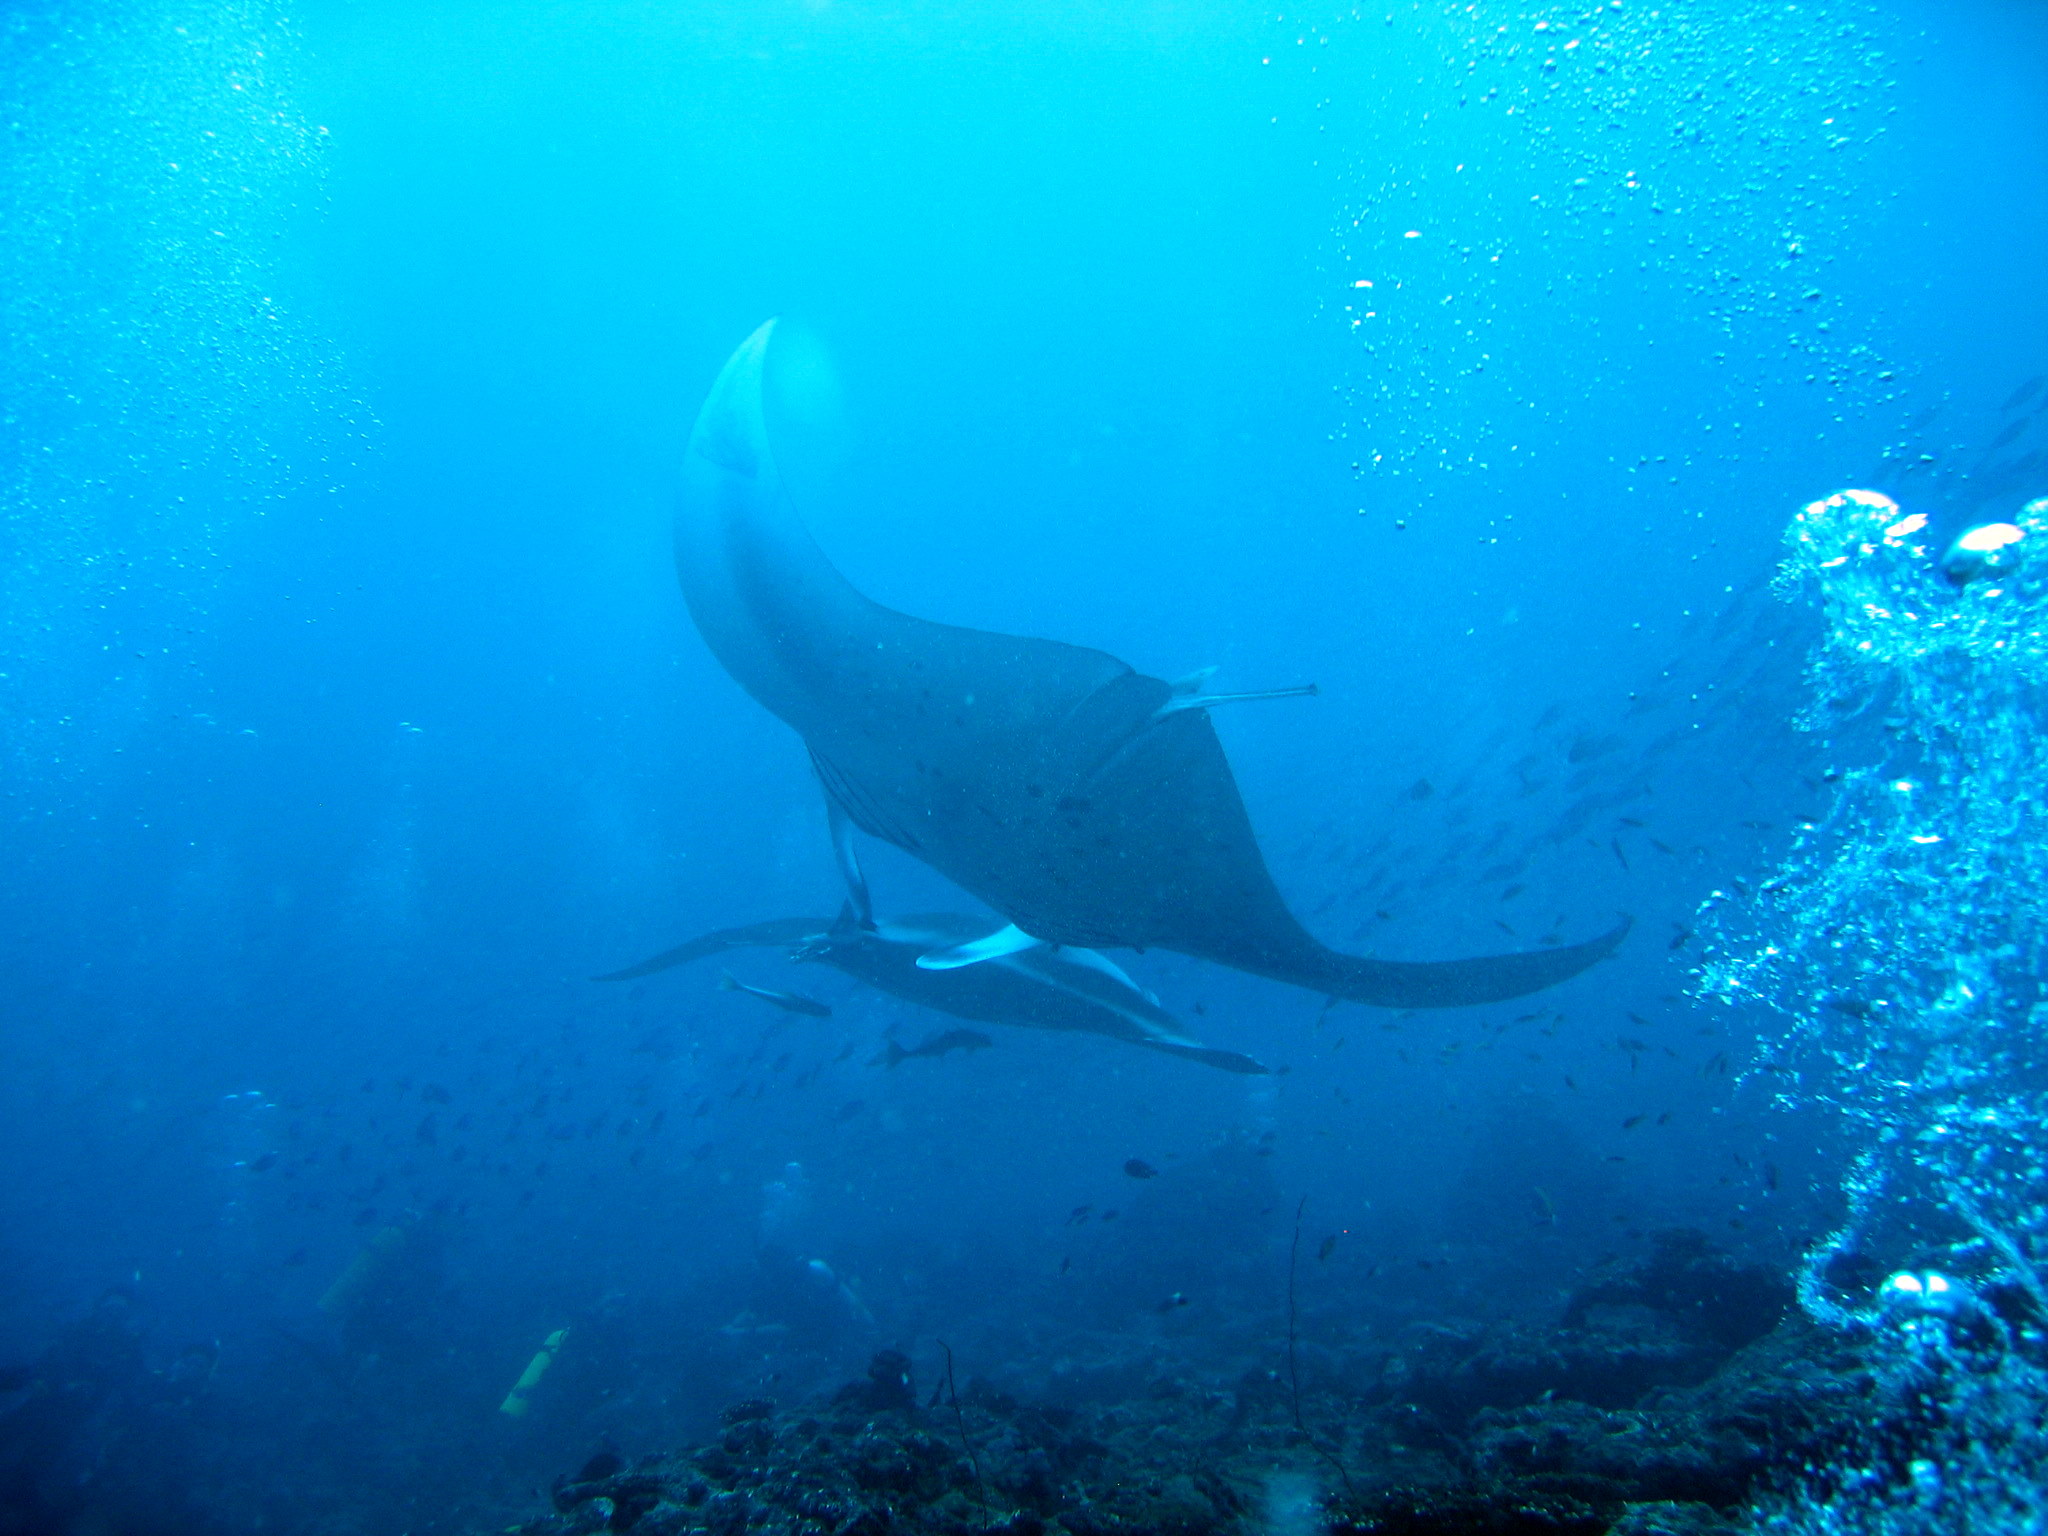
(1898,953)
(1536,179)
(157,386)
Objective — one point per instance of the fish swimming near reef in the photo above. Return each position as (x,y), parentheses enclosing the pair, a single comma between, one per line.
(935,1047)
(788,1002)
(1066,989)
(1088,804)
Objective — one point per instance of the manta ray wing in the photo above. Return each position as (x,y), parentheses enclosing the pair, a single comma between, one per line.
(1087,803)
(774,933)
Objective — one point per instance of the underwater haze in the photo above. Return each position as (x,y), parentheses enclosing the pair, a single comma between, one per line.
(1629,417)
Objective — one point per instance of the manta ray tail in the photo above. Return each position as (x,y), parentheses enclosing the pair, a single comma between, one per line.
(1456,983)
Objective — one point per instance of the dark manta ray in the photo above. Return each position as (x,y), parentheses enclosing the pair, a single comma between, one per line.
(1066,989)
(1089,804)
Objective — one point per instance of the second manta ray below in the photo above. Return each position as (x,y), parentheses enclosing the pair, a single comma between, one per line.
(1063,989)
(1087,803)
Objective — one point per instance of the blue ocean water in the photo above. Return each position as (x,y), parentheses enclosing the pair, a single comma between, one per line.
(1469,361)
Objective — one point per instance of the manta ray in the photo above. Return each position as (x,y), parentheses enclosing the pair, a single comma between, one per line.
(1087,803)
(1039,988)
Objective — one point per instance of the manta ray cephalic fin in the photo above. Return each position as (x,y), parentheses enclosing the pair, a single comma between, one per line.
(1005,941)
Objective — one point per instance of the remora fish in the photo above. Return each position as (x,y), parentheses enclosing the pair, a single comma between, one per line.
(1073,990)
(789,1002)
(935,1046)
(1088,804)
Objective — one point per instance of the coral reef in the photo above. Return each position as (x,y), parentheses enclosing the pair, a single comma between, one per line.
(1673,1392)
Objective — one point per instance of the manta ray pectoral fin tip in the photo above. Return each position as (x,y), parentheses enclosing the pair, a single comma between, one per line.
(730,432)
(1004,941)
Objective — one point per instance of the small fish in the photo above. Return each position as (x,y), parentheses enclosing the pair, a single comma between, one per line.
(1665,848)
(1328,1247)
(1681,938)
(1633,1047)
(1177,1299)
(935,1046)
(849,1109)
(1138,1168)
(789,1002)
(1421,789)
(1078,1214)
(1108,1216)
(1548,1216)
(1512,892)
(1066,1263)
(1630,821)
(1633,1121)
(1615,844)
(2024,393)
